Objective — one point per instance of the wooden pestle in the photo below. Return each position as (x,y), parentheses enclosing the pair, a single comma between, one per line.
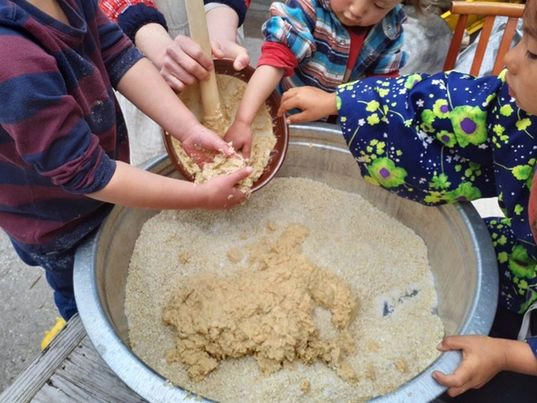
(210,99)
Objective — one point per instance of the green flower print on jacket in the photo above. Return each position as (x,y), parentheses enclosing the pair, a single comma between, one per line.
(506,110)
(385,173)
(464,192)
(447,138)
(427,119)
(524,173)
(523,124)
(412,80)
(523,268)
(469,125)
(440,182)
(521,265)
(441,108)
(499,137)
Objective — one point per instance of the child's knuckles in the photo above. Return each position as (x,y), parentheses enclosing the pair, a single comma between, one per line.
(454,392)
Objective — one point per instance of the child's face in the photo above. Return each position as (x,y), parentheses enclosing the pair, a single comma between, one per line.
(521,62)
(361,13)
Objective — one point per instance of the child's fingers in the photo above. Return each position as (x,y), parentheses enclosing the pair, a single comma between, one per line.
(287,94)
(246,149)
(174,83)
(453,392)
(216,143)
(285,105)
(452,343)
(241,61)
(288,101)
(442,378)
(458,379)
(299,118)
(455,385)
(187,53)
(239,55)
(240,174)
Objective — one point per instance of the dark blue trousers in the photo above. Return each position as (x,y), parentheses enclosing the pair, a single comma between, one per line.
(58,268)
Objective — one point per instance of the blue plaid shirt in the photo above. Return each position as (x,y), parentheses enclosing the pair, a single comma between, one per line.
(321,44)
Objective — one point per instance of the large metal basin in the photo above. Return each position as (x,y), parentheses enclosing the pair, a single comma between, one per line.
(459,247)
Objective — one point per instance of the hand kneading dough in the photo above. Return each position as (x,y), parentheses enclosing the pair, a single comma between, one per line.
(265,310)
(231,90)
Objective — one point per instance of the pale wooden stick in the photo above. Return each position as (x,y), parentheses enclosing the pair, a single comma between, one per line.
(212,109)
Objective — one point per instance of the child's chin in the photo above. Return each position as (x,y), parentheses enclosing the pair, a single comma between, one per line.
(530,109)
(513,96)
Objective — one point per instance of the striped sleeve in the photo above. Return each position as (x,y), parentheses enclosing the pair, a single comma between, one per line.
(118,52)
(65,150)
(292,24)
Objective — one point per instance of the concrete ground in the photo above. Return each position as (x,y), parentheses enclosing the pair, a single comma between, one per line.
(27,308)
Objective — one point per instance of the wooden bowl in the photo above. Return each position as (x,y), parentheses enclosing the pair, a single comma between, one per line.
(280,129)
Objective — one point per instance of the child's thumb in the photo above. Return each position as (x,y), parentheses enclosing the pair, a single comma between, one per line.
(238,54)
(241,61)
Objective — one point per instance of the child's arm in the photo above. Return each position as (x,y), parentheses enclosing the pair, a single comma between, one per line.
(180,60)
(223,22)
(483,358)
(260,86)
(313,102)
(146,89)
(143,86)
(133,187)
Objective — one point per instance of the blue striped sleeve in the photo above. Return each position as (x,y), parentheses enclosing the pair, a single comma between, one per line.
(118,52)
(292,26)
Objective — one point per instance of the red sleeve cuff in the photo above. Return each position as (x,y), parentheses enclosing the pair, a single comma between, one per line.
(277,55)
(393,74)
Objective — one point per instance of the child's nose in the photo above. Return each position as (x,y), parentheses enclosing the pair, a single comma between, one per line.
(510,59)
(358,8)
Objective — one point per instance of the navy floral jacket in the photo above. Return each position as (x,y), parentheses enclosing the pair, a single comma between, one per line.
(452,137)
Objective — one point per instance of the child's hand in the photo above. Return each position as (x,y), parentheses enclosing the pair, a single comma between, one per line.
(483,357)
(240,134)
(228,49)
(313,102)
(183,63)
(203,144)
(222,192)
